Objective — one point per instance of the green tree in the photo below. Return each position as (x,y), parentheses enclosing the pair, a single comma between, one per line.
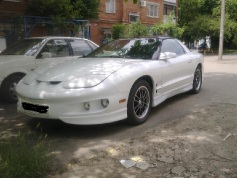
(186,8)
(169,28)
(231,9)
(65,9)
(205,20)
(137,29)
(197,24)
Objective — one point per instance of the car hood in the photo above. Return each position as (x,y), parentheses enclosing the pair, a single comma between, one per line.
(84,68)
(10,58)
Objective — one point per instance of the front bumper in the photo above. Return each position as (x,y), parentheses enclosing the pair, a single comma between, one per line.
(69,106)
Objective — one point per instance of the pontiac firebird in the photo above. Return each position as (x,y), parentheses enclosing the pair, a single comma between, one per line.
(123,79)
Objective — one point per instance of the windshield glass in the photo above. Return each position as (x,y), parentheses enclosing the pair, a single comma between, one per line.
(24,47)
(140,48)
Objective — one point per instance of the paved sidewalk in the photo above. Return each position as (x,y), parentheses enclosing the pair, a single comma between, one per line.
(228,64)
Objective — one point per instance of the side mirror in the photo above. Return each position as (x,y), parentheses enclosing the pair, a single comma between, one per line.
(46,55)
(167,55)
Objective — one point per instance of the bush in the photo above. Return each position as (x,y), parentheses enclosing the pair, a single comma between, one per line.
(118,31)
(24,156)
(137,29)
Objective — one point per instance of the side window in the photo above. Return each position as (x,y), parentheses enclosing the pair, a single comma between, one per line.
(55,48)
(170,45)
(80,47)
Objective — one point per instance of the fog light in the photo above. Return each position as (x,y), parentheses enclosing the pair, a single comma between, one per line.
(105,103)
(87,105)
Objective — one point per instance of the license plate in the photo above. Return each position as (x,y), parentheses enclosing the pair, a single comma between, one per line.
(42,109)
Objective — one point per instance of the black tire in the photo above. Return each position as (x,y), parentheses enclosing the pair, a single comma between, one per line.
(8,93)
(197,81)
(139,103)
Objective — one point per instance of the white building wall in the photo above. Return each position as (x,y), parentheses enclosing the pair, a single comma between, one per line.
(2,43)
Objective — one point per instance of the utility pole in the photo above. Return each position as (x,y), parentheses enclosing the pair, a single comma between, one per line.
(222,30)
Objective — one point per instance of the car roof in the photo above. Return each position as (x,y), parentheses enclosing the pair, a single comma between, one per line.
(150,37)
(60,37)
(55,37)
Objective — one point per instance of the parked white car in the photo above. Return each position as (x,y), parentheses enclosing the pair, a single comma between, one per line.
(120,80)
(30,53)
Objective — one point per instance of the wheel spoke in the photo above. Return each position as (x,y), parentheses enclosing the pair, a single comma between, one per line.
(140,111)
(144,95)
(136,110)
(137,106)
(136,98)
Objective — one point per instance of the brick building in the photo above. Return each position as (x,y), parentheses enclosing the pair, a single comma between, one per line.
(113,12)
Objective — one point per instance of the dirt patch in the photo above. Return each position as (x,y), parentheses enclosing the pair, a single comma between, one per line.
(203,144)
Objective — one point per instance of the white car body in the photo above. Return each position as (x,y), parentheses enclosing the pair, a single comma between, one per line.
(13,65)
(63,90)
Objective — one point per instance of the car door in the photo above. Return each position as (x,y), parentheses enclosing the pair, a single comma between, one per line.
(176,72)
(54,51)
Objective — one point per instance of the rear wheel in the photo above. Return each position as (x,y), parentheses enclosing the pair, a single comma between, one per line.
(197,80)
(8,88)
(139,103)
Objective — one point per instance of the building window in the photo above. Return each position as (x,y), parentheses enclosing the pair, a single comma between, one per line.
(168,9)
(110,6)
(133,17)
(152,10)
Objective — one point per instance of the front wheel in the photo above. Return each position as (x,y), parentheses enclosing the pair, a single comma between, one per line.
(8,87)
(139,103)
(197,81)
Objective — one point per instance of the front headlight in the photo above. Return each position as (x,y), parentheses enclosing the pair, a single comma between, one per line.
(84,82)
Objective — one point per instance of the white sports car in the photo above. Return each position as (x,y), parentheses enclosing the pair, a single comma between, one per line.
(120,80)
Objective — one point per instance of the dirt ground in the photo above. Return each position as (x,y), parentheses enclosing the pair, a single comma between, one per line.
(201,145)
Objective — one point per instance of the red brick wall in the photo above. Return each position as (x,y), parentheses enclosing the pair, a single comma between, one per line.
(96,28)
(107,20)
(113,17)
(39,31)
(124,8)
(13,7)
(129,7)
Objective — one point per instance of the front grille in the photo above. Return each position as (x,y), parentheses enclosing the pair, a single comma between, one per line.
(36,108)
(54,82)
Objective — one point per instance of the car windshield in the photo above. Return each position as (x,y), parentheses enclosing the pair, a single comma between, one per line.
(143,48)
(26,47)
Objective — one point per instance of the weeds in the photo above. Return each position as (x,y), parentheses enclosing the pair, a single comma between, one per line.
(25,156)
